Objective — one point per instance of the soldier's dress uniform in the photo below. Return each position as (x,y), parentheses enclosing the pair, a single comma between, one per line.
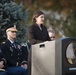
(14,56)
(2,70)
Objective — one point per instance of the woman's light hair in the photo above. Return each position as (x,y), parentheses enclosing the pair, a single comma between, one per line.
(52,31)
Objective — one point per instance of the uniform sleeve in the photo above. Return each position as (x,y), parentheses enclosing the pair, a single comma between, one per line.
(1,55)
(6,52)
(2,59)
(24,53)
(31,36)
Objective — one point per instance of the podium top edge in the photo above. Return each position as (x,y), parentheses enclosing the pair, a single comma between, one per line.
(59,39)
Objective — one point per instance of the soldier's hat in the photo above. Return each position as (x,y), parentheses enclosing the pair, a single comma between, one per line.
(11,28)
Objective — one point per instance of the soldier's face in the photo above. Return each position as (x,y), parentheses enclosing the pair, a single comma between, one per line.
(52,36)
(11,34)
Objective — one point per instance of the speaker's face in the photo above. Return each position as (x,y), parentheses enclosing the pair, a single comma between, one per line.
(71,53)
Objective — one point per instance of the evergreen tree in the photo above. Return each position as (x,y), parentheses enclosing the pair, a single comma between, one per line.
(12,13)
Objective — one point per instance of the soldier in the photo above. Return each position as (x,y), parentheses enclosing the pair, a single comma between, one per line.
(16,59)
(51,34)
(2,64)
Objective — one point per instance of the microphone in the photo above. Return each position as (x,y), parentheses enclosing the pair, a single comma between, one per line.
(61,32)
(59,29)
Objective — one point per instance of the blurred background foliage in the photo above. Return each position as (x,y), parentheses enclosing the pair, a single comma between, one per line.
(60,16)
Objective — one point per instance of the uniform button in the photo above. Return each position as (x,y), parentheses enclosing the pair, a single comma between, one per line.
(11,54)
(18,54)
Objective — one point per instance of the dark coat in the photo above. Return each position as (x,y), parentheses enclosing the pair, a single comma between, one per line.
(35,35)
(1,55)
(13,54)
(2,58)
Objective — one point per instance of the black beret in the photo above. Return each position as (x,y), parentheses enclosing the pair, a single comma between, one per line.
(9,26)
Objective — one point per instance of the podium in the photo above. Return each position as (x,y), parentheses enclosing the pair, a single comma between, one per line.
(54,58)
